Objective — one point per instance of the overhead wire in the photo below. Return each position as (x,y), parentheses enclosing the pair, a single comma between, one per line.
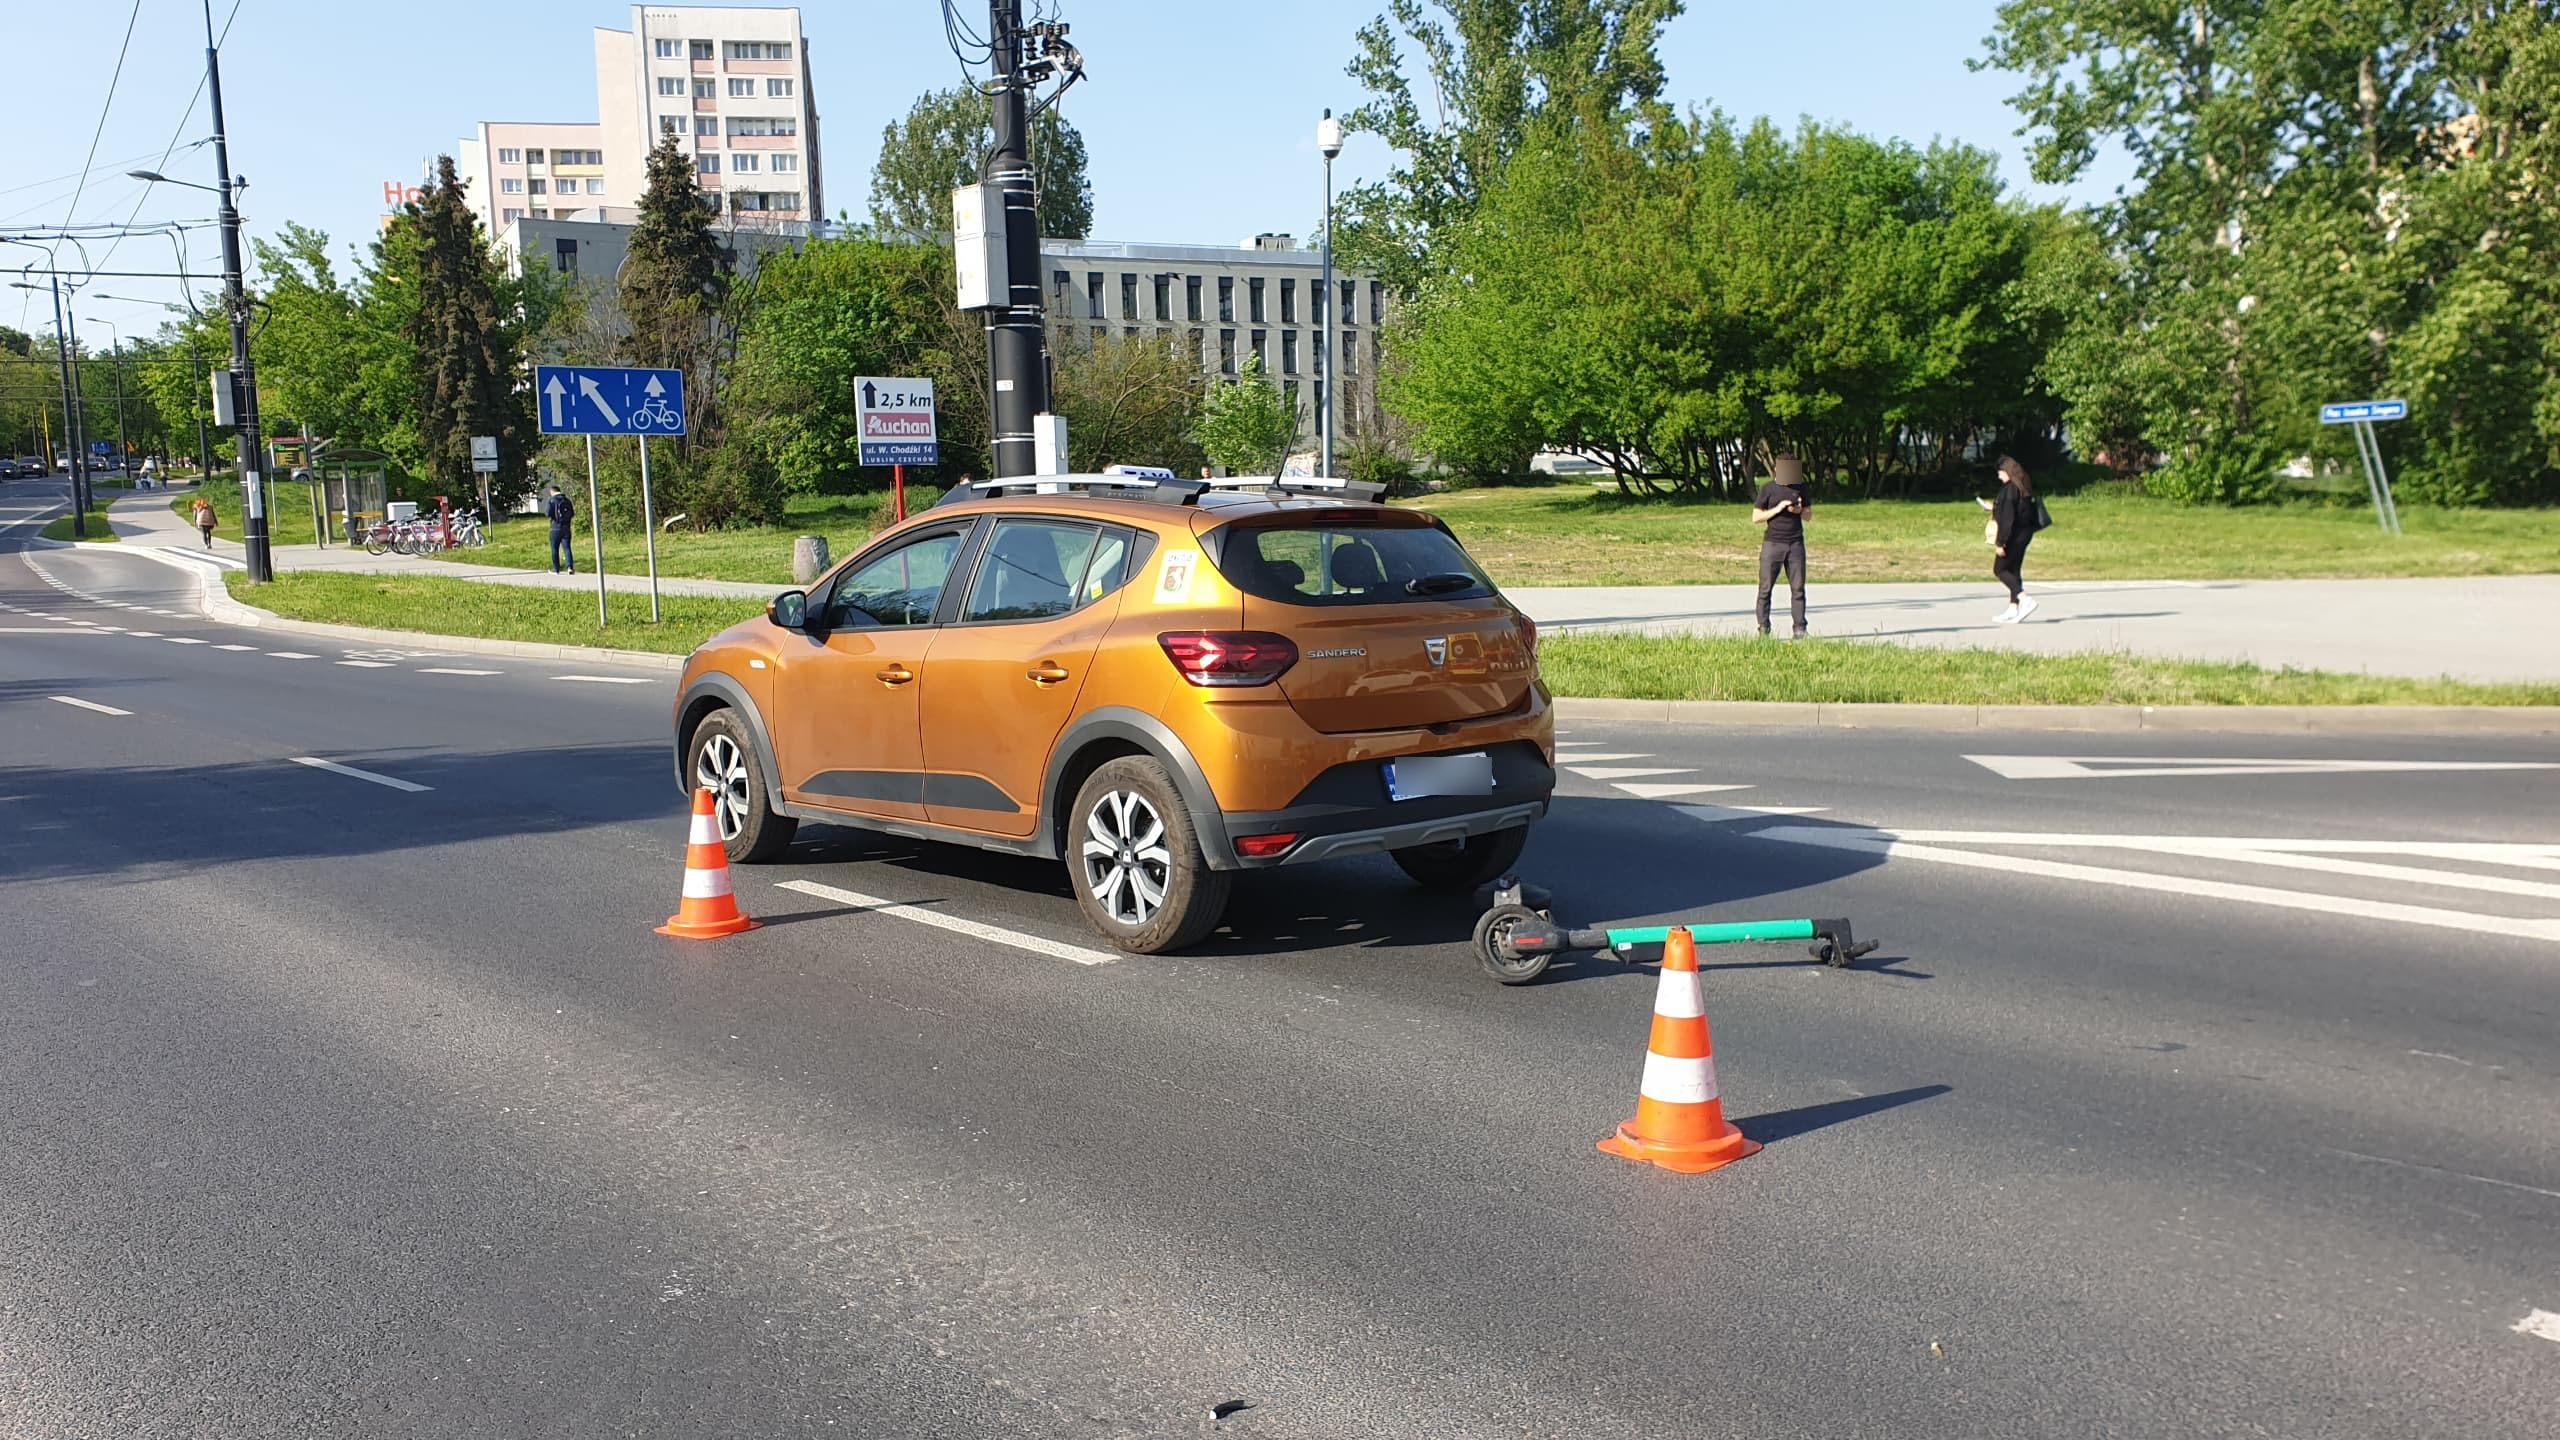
(184,119)
(106,107)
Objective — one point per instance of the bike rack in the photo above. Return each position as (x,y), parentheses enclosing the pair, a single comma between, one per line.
(1519,938)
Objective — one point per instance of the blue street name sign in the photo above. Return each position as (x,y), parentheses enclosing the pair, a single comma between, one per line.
(596,400)
(2350,412)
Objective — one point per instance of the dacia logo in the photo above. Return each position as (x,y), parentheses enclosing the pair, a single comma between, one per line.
(1438,649)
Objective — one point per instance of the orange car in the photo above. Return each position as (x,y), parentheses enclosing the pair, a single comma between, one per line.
(1158,681)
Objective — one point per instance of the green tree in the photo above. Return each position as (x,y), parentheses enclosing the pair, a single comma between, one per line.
(941,144)
(1494,70)
(1246,424)
(469,348)
(675,289)
(1130,401)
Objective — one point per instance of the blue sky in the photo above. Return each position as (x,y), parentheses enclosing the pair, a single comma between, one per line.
(1200,114)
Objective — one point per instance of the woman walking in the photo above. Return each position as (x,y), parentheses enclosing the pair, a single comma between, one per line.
(2015,514)
(204,520)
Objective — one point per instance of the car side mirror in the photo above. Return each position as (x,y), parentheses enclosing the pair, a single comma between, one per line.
(790,610)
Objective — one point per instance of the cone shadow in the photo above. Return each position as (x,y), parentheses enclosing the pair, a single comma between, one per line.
(1777,1125)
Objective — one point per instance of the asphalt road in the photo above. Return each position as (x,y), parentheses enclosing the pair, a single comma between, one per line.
(334,1108)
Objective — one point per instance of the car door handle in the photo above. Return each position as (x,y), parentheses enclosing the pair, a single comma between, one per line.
(1048,672)
(896,675)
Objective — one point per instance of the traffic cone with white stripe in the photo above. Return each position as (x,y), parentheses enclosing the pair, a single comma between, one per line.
(709,909)
(1680,1122)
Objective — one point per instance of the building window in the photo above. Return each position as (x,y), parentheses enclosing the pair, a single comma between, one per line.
(1315,302)
(780,89)
(706,124)
(1191,297)
(764,125)
(510,187)
(1227,352)
(703,90)
(1128,297)
(670,84)
(509,155)
(1093,295)
(1226,298)
(1288,351)
(595,187)
(742,164)
(564,256)
(706,164)
(1260,349)
(667,49)
(507,216)
(1254,300)
(1164,297)
(1289,389)
(541,214)
(741,89)
(1059,280)
(1349,316)
(700,49)
(1377,301)
(759,50)
(1350,350)
(536,186)
(670,124)
(1316,348)
(533,157)
(1199,344)
(1289,302)
(785,162)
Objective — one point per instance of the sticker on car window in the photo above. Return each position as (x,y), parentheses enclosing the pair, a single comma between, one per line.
(1173,582)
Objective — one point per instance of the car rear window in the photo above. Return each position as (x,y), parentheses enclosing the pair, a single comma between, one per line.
(1349,564)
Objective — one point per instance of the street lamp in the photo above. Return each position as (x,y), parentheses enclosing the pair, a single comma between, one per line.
(124,450)
(1328,140)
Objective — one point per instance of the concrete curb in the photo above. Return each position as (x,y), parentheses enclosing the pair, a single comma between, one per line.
(2402,720)
(216,604)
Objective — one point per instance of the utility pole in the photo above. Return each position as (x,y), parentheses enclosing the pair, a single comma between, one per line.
(1328,141)
(253,501)
(1017,334)
(62,346)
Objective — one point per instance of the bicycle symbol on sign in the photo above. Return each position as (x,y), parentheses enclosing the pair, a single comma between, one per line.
(656,414)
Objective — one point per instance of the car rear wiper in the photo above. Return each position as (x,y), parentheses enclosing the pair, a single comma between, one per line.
(1439,584)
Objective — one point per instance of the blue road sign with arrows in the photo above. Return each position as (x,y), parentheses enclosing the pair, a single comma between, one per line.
(598,400)
(2350,412)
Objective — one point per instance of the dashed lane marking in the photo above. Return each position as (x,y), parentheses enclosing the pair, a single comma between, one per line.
(182,640)
(449,670)
(289,655)
(2541,1325)
(76,701)
(352,773)
(920,913)
(366,664)
(146,634)
(605,679)
(235,647)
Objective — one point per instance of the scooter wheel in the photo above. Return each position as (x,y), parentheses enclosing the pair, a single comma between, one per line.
(1504,965)
(1826,952)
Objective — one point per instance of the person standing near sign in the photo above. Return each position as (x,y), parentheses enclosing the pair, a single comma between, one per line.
(1782,507)
(557,506)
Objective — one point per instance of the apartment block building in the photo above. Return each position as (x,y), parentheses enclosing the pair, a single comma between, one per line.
(1264,298)
(517,169)
(733,87)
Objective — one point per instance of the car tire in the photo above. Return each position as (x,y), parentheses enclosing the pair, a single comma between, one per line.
(720,757)
(1455,867)
(1135,862)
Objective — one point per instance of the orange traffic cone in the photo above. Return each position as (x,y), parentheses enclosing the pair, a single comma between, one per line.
(709,909)
(1680,1122)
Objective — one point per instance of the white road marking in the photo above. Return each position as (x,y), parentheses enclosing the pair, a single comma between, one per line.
(923,915)
(1896,847)
(235,647)
(366,664)
(443,670)
(1599,759)
(1646,790)
(1719,814)
(182,640)
(48,630)
(146,634)
(352,773)
(2541,1325)
(289,655)
(2141,767)
(88,705)
(1624,772)
(605,679)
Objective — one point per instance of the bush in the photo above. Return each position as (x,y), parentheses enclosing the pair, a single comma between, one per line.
(2241,475)
(1371,461)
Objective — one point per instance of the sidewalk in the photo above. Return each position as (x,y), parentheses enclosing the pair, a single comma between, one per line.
(2487,629)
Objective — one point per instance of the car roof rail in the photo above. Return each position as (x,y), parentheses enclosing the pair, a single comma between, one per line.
(1330,486)
(1158,486)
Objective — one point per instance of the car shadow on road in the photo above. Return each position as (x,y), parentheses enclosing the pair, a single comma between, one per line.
(1770,1127)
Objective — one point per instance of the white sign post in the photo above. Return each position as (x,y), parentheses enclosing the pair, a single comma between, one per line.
(2361,414)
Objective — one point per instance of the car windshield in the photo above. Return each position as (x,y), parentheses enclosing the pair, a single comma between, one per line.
(1332,562)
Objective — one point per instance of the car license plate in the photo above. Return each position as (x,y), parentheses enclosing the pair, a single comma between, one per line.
(1421,776)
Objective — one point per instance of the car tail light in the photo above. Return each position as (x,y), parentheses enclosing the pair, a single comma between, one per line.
(1261,847)
(1229,657)
(1528,632)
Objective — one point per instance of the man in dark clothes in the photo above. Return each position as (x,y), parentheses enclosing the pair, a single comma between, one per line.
(557,506)
(1782,507)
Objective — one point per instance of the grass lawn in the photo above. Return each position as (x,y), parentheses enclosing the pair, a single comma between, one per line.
(288,519)
(1736,667)
(59,528)
(761,553)
(437,606)
(1626,666)
(1573,534)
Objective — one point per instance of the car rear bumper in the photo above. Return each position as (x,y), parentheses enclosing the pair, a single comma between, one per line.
(1347,810)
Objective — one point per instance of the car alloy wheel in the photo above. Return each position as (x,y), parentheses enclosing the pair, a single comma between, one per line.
(720,767)
(1127,865)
